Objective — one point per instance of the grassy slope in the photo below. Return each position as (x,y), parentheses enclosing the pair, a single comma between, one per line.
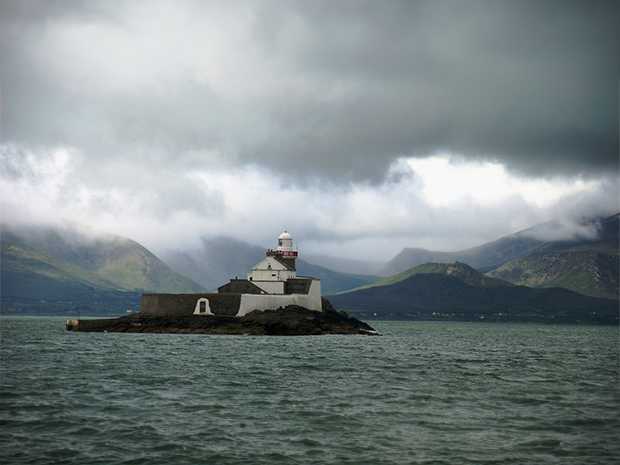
(587,272)
(421,295)
(132,266)
(585,265)
(590,267)
(44,265)
(24,260)
(459,270)
(33,282)
(33,274)
(484,257)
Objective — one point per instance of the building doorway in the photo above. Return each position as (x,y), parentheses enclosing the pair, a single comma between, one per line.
(202,307)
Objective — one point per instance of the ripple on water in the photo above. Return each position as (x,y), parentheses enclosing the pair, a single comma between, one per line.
(423,393)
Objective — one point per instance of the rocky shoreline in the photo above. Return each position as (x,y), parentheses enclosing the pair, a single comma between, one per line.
(288,321)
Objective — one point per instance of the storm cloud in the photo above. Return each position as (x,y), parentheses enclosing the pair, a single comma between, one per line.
(328,89)
(362,127)
(439,203)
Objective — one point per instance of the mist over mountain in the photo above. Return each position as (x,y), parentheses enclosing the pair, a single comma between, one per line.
(588,265)
(584,259)
(483,257)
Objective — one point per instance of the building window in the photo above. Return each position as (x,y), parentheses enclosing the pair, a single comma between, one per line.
(203,306)
(273,275)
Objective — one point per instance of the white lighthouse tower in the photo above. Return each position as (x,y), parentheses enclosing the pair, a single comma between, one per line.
(285,243)
(278,266)
(285,252)
(273,282)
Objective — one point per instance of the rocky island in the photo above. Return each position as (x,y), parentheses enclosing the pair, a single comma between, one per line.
(288,321)
(273,300)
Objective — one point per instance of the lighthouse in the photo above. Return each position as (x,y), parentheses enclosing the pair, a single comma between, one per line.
(278,266)
(271,284)
(284,252)
(275,281)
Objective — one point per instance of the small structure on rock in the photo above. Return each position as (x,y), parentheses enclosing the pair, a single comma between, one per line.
(272,284)
(287,304)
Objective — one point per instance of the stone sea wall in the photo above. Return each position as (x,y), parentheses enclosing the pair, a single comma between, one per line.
(229,304)
(174,305)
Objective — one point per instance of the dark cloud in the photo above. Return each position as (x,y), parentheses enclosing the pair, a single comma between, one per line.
(532,84)
(329,89)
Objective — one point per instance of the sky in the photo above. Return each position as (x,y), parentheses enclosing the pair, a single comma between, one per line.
(361,127)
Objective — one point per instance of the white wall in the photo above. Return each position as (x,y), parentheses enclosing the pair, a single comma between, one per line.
(271,287)
(315,291)
(270,275)
(270,269)
(263,275)
(266,262)
(311,301)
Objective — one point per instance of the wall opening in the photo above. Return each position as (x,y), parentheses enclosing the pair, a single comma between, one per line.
(202,307)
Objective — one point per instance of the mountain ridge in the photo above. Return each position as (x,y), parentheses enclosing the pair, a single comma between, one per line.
(589,273)
(46,267)
(590,267)
(493,254)
(466,294)
(586,263)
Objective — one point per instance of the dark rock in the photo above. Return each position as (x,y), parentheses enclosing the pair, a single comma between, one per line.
(289,321)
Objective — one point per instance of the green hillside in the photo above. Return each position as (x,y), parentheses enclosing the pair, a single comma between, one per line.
(459,270)
(586,264)
(590,267)
(587,272)
(484,257)
(493,254)
(57,265)
(19,258)
(458,292)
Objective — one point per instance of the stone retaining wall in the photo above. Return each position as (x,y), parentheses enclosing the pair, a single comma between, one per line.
(171,305)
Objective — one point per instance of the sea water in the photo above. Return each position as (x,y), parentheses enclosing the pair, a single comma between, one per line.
(423,392)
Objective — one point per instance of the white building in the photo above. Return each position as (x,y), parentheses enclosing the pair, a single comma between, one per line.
(271,284)
(271,273)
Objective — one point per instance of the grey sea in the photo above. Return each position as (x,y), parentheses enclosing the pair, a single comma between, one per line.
(422,393)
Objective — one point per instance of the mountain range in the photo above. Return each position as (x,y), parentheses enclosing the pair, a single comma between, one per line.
(64,269)
(50,269)
(458,291)
(587,263)
(43,268)
(589,266)
(484,257)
